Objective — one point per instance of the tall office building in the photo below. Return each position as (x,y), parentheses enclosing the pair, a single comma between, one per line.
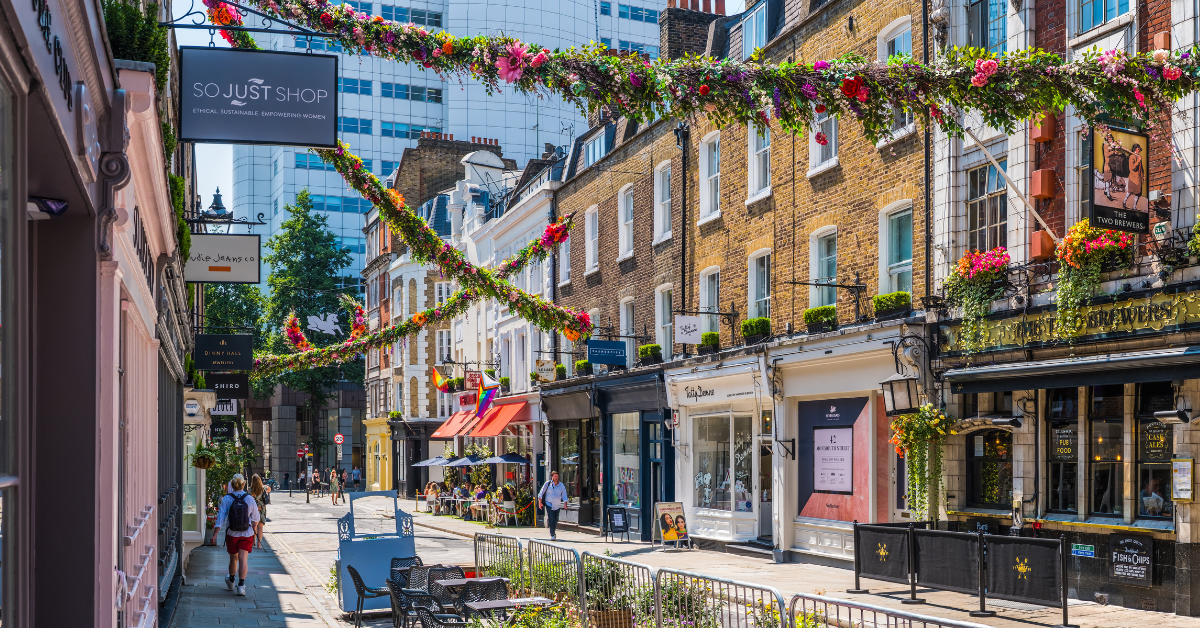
(384,105)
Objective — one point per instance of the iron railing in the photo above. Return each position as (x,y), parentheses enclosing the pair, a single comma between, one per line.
(554,572)
(818,611)
(617,592)
(685,599)
(501,556)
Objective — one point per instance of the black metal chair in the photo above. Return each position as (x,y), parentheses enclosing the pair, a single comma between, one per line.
(405,602)
(399,563)
(442,594)
(481,591)
(429,619)
(418,578)
(364,592)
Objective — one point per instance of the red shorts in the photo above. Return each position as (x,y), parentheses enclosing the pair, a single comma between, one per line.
(235,543)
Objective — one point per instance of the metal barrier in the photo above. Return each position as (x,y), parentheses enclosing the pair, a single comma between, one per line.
(502,556)
(617,592)
(693,600)
(554,572)
(818,611)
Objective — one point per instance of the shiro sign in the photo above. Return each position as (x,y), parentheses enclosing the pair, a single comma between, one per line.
(258,97)
(229,385)
(223,258)
(833,460)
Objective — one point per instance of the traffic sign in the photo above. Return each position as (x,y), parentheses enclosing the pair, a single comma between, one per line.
(299,453)
(339,439)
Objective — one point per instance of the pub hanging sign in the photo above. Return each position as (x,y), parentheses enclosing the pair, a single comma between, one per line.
(1117,197)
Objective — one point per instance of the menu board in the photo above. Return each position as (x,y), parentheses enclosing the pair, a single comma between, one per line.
(1181,480)
(1064,440)
(833,460)
(1132,558)
(1154,442)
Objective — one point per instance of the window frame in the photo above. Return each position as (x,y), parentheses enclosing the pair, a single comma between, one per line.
(817,294)
(886,36)
(887,274)
(662,206)
(564,262)
(753,281)
(759,159)
(664,319)
(984,202)
(710,302)
(754,24)
(710,190)
(627,317)
(594,149)
(825,123)
(591,229)
(969,467)
(625,218)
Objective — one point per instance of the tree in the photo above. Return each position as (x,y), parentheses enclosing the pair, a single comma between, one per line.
(306,264)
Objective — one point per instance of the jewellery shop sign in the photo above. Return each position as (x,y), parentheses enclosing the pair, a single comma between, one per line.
(1149,314)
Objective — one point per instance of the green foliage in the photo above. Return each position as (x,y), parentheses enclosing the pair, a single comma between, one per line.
(182,233)
(760,326)
(235,305)
(919,437)
(504,381)
(710,338)
(820,314)
(560,371)
(1194,243)
(582,365)
(135,35)
(480,473)
(490,372)
(533,378)
(646,351)
(169,141)
(891,301)
(458,382)
(200,383)
(231,458)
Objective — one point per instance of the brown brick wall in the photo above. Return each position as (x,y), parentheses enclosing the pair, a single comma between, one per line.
(682,31)
(433,167)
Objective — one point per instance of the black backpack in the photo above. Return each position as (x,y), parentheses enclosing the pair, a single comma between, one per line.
(239,514)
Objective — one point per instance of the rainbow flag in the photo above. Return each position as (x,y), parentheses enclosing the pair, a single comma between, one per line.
(439,382)
(488,389)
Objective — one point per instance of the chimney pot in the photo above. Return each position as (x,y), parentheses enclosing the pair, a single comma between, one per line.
(720,10)
(670,4)
(706,6)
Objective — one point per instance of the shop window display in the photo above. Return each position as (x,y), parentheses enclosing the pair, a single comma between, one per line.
(1063,452)
(625,438)
(569,459)
(743,463)
(1107,445)
(711,462)
(990,469)
(1155,445)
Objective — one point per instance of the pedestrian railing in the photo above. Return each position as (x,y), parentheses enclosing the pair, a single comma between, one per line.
(501,556)
(554,572)
(818,611)
(691,600)
(617,593)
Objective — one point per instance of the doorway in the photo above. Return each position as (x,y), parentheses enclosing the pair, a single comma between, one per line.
(765,521)
(899,489)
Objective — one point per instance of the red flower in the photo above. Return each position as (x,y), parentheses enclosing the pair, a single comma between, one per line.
(850,86)
(703,90)
(326,20)
(820,108)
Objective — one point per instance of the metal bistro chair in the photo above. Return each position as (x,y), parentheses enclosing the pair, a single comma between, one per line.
(488,590)
(418,578)
(405,602)
(399,563)
(364,592)
(441,593)
(429,619)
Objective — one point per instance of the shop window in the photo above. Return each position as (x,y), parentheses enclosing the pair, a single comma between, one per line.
(569,460)
(1063,454)
(626,457)
(1155,445)
(1107,446)
(990,469)
(711,460)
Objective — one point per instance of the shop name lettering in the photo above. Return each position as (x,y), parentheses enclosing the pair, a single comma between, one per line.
(220,257)
(696,392)
(1130,559)
(55,48)
(255,90)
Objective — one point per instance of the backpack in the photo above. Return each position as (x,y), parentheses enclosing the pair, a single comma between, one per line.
(239,513)
(266,498)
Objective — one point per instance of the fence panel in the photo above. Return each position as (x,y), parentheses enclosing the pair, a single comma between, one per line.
(817,611)
(554,572)
(689,600)
(617,593)
(502,556)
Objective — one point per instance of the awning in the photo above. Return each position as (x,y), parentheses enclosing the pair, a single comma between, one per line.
(1097,370)
(496,419)
(576,404)
(453,425)
(436,461)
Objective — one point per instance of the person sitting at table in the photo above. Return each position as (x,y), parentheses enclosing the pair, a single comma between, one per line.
(431,498)
(505,494)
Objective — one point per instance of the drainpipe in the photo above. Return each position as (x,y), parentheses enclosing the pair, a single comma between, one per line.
(683,140)
(928,159)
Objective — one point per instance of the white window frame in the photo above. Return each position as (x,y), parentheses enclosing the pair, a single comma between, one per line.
(591,230)
(662,202)
(441,292)
(814,273)
(593,149)
(709,301)
(625,201)
(664,332)
(887,282)
(710,188)
(752,283)
(445,346)
(536,283)
(829,125)
(890,32)
(564,262)
(758,156)
(628,318)
(754,30)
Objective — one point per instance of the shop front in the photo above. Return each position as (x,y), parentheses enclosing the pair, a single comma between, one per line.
(642,459)
(723,433)
(1093,442)
(575,449)
(196,426)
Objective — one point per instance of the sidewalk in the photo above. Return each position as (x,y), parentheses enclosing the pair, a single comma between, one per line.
(830,581)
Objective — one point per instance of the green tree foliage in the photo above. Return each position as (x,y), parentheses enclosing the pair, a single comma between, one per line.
(135,35)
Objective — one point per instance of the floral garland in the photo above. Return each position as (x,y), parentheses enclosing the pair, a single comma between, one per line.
(358,321)
(1006,90)
(1082,253)
(972,285)
(295,335)
(918,438)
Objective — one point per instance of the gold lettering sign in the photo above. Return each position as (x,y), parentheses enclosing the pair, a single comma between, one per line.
(1152,313)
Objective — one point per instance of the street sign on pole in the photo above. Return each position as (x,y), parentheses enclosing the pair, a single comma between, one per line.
(339,439)
(339,454)
(299,453)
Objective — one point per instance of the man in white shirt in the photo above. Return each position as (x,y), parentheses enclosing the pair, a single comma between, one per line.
(239,515)
(553,498)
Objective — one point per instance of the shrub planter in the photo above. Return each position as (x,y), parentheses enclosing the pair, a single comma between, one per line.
(583,369)
(894,312)
(821,328)
(654,358)
(706,349)
(610,619)
(755,339)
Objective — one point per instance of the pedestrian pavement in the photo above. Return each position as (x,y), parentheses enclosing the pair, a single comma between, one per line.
(285,587)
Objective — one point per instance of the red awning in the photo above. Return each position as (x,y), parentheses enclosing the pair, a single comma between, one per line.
(453,425)
(496,419)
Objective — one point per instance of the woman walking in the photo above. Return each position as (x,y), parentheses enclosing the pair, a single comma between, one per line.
(259,492)
(333,485)
(238,514)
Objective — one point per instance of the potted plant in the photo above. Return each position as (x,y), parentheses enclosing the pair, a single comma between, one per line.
(649,354)
(204,457)
(821,319)
(755,330)
(1084,253)
(892,304)
(976,280)
(710,342)
(583,367)
(504,381)
(533,378)
(560,372)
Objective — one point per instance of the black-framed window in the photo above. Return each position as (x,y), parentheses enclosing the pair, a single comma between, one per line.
(1155,445)
(970,405)
(1107,446)
(1063,449)
(990,469)
(1002,402)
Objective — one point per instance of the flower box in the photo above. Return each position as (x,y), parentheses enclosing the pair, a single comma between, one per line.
(822,327)
(610,619)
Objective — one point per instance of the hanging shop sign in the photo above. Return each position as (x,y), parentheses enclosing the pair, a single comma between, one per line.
(1118,195)
(258,97)
(472,380)
(225,407)
(223,429)
(687,329)
(1181,480)
(224,258)
(546,370)
(606,352)
(229,385)
(1155,312)
(224,352)
(1132,558)
(833,460)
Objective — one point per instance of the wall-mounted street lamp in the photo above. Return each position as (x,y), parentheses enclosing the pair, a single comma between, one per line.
(901,394)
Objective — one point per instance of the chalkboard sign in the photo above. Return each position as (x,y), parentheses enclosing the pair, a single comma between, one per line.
(1132,559)
(618,520)
(1155,442)
(1064,439)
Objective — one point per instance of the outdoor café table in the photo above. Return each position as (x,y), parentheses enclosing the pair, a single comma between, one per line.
(454,583)
(487,607)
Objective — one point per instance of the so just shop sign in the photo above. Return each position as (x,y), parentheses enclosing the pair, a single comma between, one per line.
(258,97)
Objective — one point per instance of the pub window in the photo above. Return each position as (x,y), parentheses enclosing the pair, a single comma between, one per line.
(970,403)
(1107,444)
(1155,444)
(990,469)
(1002,402)
(1064,449)
(987,210)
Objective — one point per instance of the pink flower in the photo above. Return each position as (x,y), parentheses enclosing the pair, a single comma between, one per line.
(1141,99)
(541,58)
(821,65)
(989,67)
(863,93)
(512,66)
(1161,55)
(1172,73)
(979,80)
(821,138)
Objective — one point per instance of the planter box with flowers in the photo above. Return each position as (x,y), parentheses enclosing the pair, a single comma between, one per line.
(755,330)
(649,354)
(975,282)
(710,342)
(1084,254)
(891,305)
(583,367)
(821,319)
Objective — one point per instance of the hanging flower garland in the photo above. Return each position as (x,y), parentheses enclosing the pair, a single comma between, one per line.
(358,321)
(1006,90)
(295,335)
(224,14)
(918,439)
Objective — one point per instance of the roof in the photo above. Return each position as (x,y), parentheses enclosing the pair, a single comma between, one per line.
(434,211)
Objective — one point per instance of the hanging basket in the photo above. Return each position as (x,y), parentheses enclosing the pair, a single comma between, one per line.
(204,462)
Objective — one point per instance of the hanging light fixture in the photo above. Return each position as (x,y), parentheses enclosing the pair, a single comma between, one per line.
(900,394)
(217,210)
